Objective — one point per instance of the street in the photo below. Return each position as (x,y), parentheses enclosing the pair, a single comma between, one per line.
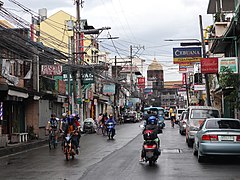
(100,158)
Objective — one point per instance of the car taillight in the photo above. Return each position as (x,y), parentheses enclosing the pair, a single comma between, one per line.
(147,146)
(209,137)
(238,138)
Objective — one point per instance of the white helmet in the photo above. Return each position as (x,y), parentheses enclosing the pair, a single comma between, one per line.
(64,114)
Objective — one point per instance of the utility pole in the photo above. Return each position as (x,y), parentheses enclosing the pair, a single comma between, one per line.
(78,55)
(204,56)
(131,73)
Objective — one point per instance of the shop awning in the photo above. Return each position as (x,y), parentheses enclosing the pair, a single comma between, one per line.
(17,93)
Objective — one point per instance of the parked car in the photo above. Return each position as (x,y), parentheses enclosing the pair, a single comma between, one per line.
(89,125)
(178,114)
(182,123)
(217,136)
(130,116)
(195,116)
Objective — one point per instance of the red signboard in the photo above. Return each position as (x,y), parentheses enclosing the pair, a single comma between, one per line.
(51,70)
(141,82)
(209,65)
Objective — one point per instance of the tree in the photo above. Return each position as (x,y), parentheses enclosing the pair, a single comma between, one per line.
(229,80)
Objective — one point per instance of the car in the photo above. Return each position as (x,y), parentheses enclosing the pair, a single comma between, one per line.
(182,123)
(217,136)
(195,116)
(130,116)
(178,114)
(89,125)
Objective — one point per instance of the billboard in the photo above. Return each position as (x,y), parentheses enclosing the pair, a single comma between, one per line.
(187,55)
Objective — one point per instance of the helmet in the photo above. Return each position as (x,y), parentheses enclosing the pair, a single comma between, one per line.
(64,114)
(152,120)
(70,120)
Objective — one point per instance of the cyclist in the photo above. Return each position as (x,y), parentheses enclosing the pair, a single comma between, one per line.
(52,125)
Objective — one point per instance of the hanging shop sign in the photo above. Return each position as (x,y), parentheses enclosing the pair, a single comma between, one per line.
(51,70)
(109,89)
(187,55)
(228,63)
(87,78)
(141,82)
(209,65)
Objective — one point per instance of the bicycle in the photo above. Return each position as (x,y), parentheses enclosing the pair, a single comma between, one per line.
(51,140)
(101,129)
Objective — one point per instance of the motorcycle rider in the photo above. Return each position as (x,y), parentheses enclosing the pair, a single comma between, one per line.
(111,119)
(72,128)
(151,124)
(63,124)
(53,125)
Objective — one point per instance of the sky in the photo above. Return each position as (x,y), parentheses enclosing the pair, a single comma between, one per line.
(143,24)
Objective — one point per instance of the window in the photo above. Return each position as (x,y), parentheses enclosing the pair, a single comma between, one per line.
(223,124)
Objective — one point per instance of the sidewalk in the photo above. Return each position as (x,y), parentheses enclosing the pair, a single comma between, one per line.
(18,147)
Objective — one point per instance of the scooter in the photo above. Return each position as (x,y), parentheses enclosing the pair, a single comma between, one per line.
(151,151)
(110,130)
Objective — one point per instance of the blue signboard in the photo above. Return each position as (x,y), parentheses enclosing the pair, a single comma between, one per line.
(187,55)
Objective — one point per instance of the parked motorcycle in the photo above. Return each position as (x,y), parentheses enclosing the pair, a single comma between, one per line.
(110,130)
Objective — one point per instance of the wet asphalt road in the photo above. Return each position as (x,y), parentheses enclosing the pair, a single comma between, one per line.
(101,159)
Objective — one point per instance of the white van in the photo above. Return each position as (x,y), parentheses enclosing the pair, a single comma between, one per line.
(195,116)
(179,113)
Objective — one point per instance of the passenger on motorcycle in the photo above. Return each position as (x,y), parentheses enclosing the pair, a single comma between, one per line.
(151,125)
(73,128)
(52,125)
(111,119)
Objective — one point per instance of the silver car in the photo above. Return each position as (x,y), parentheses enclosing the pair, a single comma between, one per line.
(196,115)
(182,123)
(217,136)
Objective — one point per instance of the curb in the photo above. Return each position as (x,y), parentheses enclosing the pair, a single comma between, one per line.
(21,147)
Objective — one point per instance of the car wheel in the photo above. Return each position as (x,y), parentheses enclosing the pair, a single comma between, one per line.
(195,152)
(190,143)
(201,158)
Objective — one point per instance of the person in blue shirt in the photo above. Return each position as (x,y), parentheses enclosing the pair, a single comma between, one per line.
(111,119)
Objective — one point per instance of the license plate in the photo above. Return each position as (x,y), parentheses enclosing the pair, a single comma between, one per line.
(226,138)
(149,154)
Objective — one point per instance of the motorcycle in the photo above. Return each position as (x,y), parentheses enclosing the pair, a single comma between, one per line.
(151,151)
(110,130)
(69,148)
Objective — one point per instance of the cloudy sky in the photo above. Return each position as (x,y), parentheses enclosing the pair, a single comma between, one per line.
(139,23)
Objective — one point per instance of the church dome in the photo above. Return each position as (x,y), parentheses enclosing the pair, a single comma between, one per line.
(155,65)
